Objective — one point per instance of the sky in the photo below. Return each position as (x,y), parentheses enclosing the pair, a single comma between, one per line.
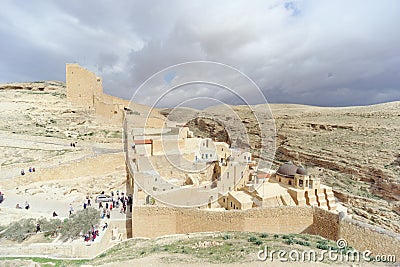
(325,53)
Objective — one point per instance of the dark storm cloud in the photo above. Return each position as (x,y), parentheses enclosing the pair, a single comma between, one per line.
(320,53)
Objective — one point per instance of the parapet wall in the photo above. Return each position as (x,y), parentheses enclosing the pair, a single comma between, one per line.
(152,221)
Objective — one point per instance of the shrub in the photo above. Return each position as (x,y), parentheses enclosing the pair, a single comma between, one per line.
(20,230)
(286,237)
(289,241)
(264,235)
(71,228)
(322,242)
(50,227)
(79,223)
(252,239)
(323,246)
(276,236)
(226,237)
(258,242)
(303,243)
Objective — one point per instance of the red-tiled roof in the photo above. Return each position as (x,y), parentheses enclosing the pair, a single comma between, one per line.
(143,142)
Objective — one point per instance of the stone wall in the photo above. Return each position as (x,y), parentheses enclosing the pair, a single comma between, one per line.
(363,236)
(152,221)
(325,223)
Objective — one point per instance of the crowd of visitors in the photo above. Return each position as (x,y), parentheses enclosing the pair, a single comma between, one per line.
(118,201)
(31,169)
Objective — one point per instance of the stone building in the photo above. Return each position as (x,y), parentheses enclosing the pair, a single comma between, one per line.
(303,188)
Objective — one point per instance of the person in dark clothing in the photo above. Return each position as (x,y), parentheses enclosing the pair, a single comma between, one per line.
(55,214)
(37,228)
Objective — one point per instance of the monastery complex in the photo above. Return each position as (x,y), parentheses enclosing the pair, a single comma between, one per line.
(167,165)
(181,183)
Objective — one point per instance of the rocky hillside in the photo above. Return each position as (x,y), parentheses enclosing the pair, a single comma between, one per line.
(355,150)
(38,125)
(33,86)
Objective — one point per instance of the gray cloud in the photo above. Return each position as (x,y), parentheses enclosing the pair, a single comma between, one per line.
(319,52)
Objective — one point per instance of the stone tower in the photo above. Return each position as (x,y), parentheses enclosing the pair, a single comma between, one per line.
(83,86)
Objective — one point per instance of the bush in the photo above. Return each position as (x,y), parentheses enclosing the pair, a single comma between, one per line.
(226,237)
(258,242)
(276,236)
(289,241)
(323,246)
(71,228)
(50,227)
(264,235)
(303,243)
(252,239)
(20,230)
(79,223)
(286,237)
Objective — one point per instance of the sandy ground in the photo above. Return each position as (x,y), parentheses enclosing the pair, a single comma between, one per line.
(157,261)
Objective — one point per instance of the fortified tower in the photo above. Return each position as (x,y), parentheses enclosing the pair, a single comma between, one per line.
(85,89)
(83,86)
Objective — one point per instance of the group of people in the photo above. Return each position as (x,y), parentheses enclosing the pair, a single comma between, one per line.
(31,169)
(91,234)
(117,200)
(27,206)
(87,202)
(72,144)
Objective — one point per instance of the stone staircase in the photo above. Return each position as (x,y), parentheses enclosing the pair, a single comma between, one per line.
(330,199)
(287,200)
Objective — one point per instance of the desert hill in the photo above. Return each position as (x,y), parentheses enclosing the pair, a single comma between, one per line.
(353,149)
(37,129)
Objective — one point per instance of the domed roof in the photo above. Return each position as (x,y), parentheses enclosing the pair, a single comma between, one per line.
(287,169)
(301,171)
